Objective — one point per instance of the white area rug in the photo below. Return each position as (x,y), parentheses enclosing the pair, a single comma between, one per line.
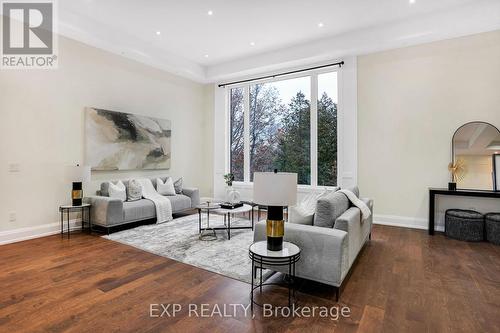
(179,240)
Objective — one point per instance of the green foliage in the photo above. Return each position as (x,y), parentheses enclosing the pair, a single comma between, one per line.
(229,178)
(280,134)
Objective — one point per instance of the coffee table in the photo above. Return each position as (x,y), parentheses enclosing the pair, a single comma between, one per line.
(227,218)
(206,207)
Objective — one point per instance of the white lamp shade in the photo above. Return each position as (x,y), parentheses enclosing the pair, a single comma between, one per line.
(275,189)
(76,173)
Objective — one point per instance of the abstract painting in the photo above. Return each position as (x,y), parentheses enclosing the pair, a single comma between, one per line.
(124,141)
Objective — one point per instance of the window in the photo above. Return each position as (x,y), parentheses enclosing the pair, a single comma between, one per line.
(327,129)
(236,135)
(283,125)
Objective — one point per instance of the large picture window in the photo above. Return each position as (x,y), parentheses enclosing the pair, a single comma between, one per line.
(285,125)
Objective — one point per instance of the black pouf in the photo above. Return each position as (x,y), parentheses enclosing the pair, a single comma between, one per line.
(492,222)
(466,225)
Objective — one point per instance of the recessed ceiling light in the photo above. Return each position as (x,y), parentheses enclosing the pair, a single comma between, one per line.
(206,55)
(158,33)
(320,25)
(252,43)
(412,2)
(210,12)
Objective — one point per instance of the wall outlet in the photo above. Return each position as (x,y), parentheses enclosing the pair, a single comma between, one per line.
(12,216)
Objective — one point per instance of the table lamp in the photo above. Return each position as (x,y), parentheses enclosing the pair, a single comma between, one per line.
(275,190)
(77,175)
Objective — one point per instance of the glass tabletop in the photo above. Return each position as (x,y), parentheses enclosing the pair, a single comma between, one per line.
(260,249)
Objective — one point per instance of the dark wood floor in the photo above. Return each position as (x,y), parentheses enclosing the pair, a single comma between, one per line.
(404,281)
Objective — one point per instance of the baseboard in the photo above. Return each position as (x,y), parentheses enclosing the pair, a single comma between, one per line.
(403,221)
(21,234)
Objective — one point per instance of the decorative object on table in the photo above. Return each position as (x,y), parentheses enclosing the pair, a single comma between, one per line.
(78,208)
(475,143)
(228,205)
(458,172)
(232,196)
(261,256)
(165,188)
(77,175)
(229,179)
(492,226)
(275,190)
(466,225)
(124,141)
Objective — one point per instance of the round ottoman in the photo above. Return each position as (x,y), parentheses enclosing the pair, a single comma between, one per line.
(492,222)
(464,225)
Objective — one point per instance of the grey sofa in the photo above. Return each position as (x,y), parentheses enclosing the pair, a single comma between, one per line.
(111,212)
(330,246)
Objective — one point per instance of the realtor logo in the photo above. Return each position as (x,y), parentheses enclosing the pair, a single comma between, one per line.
(28,35)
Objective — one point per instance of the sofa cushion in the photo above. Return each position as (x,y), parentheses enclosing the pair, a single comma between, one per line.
(329,208)
(118,191)
(105,187)
(178,186)
(179,202)
(134,190)
(138,210)
(353,189)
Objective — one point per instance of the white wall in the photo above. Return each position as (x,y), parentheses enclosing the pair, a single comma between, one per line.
(41,127)
(347,135)
(410,102)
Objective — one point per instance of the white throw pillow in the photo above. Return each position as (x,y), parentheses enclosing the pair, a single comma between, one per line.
(303,212)
(117,191)
(165,188)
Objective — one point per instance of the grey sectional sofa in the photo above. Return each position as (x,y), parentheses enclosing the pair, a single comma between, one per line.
(330,246)
(110,212)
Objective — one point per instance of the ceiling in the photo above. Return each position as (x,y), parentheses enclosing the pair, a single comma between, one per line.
(181,36)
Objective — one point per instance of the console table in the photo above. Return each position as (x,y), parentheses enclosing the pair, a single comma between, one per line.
(460,193)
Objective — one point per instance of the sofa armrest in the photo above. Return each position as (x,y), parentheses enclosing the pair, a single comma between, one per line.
(194,194)
(105,210)
(369,203)
(357,230)
(324,254)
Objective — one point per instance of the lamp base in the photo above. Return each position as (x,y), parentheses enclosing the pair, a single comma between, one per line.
(275,243)
(275,228)
(77,194)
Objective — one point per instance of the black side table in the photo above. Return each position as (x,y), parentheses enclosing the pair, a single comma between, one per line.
(261,256)
(69,209)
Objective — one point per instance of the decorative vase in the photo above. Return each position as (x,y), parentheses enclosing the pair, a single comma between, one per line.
(452,186)
(232,196)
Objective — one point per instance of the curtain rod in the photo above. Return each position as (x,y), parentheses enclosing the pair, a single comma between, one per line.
(222,85)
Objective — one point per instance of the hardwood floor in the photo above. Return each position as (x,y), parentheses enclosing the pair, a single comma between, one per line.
(404,281)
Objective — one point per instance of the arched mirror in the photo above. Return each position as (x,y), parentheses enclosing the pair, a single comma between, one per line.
(476,156)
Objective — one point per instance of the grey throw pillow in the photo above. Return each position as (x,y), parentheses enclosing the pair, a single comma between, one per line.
(134,190)
(329,208)
(178,186)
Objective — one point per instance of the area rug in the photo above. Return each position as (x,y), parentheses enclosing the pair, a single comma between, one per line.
(179,240)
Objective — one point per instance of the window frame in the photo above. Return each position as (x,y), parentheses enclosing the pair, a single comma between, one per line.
(313,75)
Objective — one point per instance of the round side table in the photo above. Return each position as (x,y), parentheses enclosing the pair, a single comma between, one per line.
(261,256)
